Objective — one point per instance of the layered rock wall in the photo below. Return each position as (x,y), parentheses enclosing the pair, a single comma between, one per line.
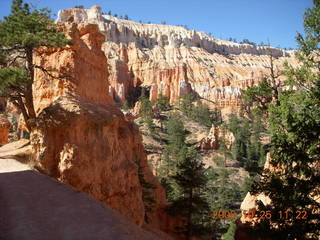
(173,61)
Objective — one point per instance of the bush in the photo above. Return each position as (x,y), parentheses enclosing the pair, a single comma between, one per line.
(162,103)
(202,114)
(229,235)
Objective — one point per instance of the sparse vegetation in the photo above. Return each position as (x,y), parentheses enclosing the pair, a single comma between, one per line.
(246,41)
(199,111)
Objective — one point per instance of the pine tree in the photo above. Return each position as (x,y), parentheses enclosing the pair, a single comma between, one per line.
(186,103)
(224,150)
(183,176)
(221,194)
(162,103)
(202,114)
(147,195)
(176,134)
(146,106)
(20,34)
(295,130)
(189,181)
(247,147)
(260,96)
(176,137)
(150,125)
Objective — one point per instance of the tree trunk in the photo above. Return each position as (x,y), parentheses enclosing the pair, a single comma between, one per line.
(28,92)
(189,223)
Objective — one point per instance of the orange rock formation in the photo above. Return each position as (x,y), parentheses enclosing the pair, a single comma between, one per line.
(4,129)
(211,142)
(81,137)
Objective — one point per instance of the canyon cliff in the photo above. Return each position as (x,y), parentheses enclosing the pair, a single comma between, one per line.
(82,138)
(173,61)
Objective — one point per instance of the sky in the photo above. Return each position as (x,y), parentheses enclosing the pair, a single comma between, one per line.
(273,21)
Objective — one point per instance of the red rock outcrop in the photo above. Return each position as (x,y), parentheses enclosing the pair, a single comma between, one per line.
(4,129)
(211,142)
(81,137)
(173,61)
(81,70)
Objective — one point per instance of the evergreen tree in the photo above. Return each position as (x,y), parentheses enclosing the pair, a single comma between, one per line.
(202,114)
(147,196)
(146,106)
(224,150)
(150,125)
(162,103)
(20,34)
(185,104)
(176,134)
(247,147)
(189,202)
(295,129)
(260,96)
(221,194)
(176,137)
(199,112)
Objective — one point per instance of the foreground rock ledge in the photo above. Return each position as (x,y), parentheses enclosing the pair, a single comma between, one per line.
(33,206)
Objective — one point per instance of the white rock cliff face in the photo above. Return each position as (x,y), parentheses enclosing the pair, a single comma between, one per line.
(173,61)
(152,35)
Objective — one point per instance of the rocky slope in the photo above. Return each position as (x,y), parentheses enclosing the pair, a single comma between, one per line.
(206,143)
(82,138)
(172,60)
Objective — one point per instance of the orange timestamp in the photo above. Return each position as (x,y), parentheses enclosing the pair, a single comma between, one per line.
(287,214)
(261,214)
(224,214)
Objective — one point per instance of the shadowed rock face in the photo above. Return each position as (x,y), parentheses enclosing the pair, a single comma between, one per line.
(34,206)
(81,137)
(173,61)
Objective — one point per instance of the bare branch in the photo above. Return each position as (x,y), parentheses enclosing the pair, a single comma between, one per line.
(14,60)
(49,72)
